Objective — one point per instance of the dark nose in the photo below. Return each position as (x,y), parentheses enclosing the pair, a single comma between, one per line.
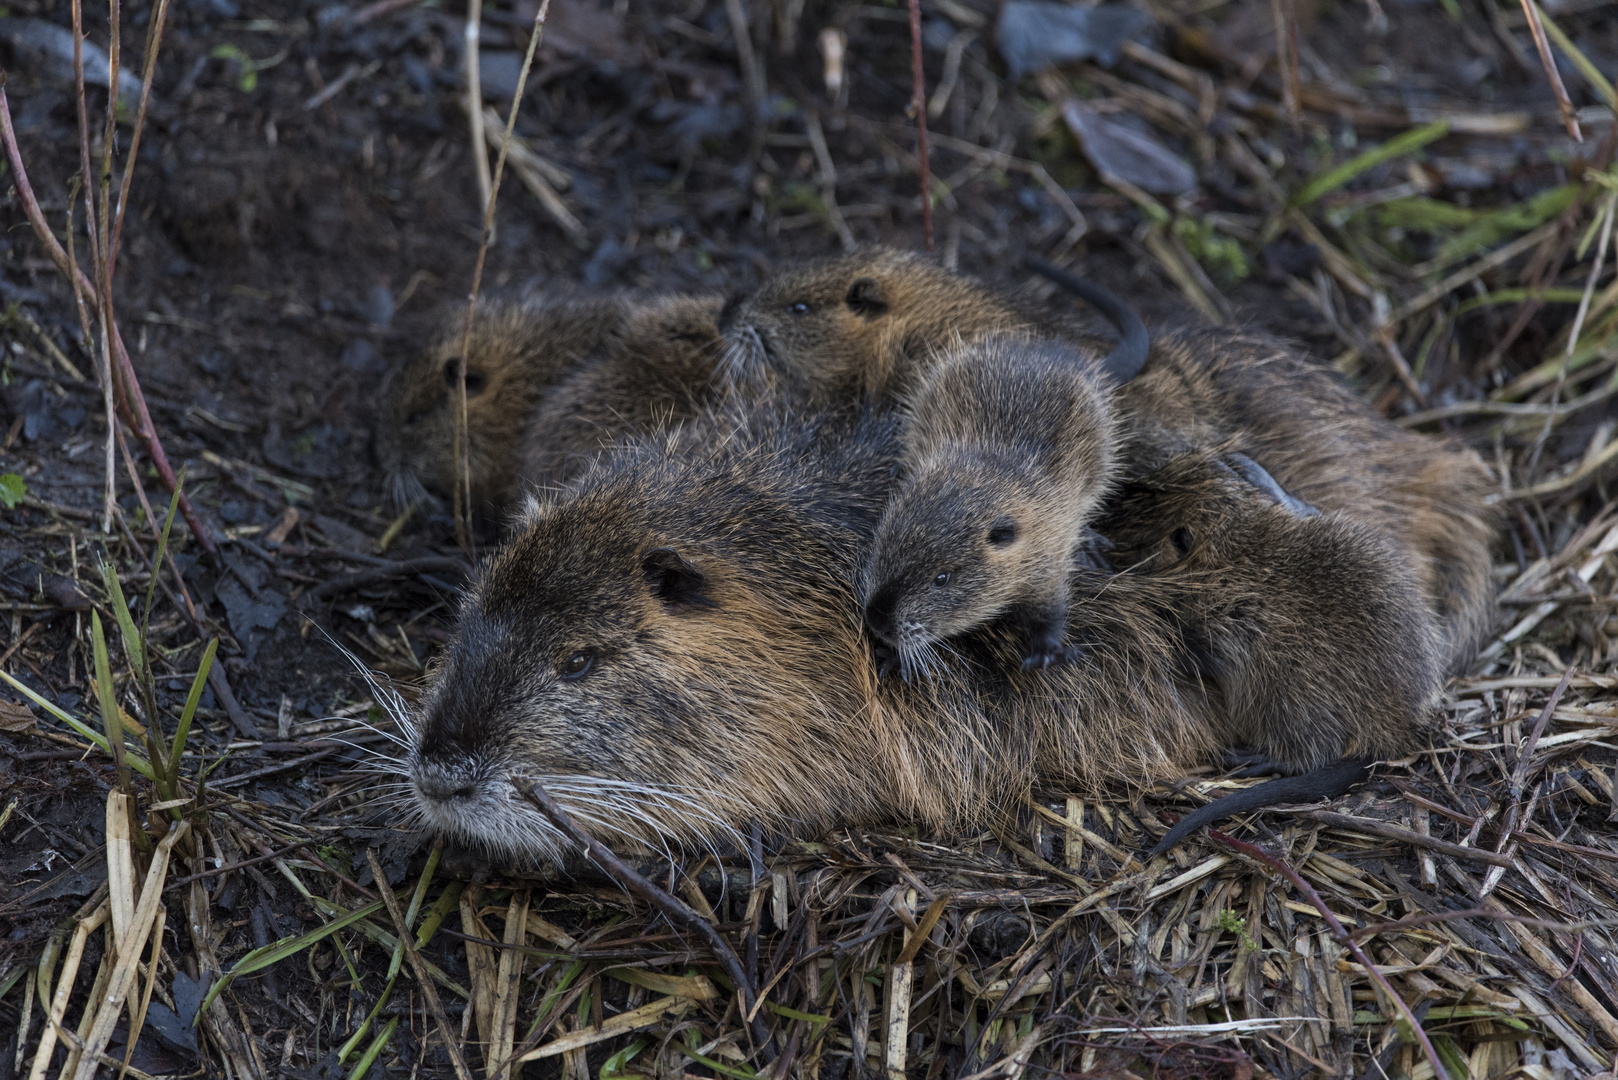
(879,611)
(444,782)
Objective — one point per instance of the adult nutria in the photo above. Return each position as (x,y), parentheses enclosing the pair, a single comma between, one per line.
(673,646)
(1310,627)
(871,323)
(1008,449)
(546,385)
(517,351)
(658,370)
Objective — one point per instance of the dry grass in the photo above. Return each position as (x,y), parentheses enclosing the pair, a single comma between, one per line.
(1480,879)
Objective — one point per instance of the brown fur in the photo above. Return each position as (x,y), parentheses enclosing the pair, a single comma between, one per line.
(1312,629)
(517,352)
(660,371)
(1205,388)
(1008,449)
(710,580)
(547,385)
(870,324)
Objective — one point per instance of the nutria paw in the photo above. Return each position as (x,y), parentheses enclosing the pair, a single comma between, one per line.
(1042,658)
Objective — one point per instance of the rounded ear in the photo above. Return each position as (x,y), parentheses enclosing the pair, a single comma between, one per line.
(1003,531)
(475,380)
(673,580)
(865,299)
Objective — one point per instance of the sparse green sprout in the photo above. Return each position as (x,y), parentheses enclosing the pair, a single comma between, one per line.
(246,67)
(1232,923)
(1219,253)
(12,490)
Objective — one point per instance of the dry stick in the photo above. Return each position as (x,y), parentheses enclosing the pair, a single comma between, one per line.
(918,103)
(1570,118)
(429,992)
(674,909)
(132,402)
(154,42)
(462,443)
(1339,935)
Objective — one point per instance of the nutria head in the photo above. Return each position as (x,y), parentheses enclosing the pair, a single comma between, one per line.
(671,646)
(951,553)
(516,351)
(856,323)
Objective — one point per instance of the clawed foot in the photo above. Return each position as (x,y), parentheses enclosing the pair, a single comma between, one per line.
(887,659)
(1046,656)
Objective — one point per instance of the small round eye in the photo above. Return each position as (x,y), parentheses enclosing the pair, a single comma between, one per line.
(1182,540)
(940,581)
(578,664)
(800,308)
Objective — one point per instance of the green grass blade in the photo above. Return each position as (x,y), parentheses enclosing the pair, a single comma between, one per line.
(1517,296)
(414,908)
(183,731)
(83,730)
(613,1067)
(1591,73)
(365,1025)
(374,1051)
(134,650)
(1396,147)
(111,721)
(162,550)
(259,959)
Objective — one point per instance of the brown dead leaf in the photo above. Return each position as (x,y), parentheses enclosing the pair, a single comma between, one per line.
(17,719)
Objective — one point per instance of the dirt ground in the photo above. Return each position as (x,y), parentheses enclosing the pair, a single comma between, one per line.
(305,212)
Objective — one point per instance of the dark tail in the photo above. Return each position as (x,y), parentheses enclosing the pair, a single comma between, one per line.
(1124,362)
(1326,782)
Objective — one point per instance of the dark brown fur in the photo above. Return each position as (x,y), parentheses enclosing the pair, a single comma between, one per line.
(1205,388)
(659,372)
(701,592)
(517,352)
(547,385)
(1008,450)
(1312,629)
(870,324)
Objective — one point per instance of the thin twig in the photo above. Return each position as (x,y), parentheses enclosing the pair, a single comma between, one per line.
(918,104)
(424,979)
(462,441)
(672,907)
(132,403)
(1340,936)
(1570,116)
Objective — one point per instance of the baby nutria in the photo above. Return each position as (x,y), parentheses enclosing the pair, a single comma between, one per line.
(546,385)
(658,371)
(673,646)
(1252,395)
(1008,449)
(871,323)
(1309,627)
(517,351)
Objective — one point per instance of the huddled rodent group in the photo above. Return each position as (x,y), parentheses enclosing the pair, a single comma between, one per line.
(678,637)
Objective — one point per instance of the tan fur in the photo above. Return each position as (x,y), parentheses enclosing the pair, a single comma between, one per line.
(1008,449)
(660,371)
(517,352)
(1312,629)
(869,324)
(745,689)
(1206,388)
